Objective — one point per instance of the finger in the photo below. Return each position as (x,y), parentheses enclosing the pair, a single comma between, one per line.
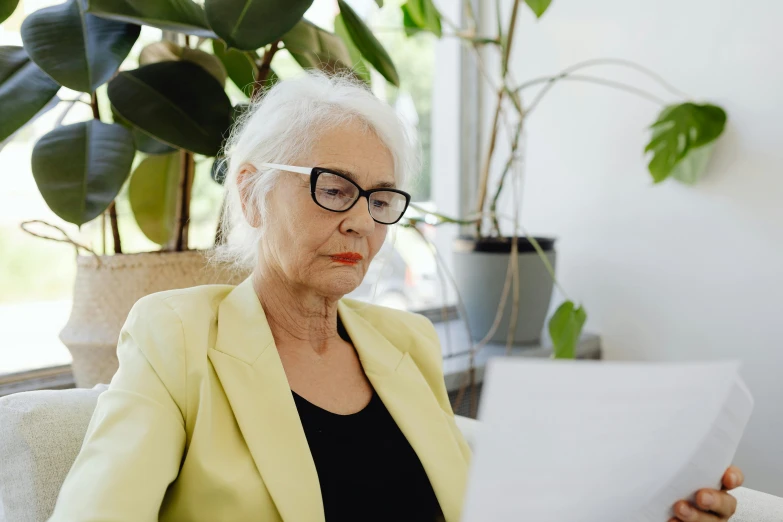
(686,512)
(718,502)
(733,478)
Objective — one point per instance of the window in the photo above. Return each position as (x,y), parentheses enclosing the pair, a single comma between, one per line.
(36,275)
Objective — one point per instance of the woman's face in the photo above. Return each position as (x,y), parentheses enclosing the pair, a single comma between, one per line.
(302,239)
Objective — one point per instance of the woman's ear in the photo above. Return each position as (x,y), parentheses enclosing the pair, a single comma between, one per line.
(244,184)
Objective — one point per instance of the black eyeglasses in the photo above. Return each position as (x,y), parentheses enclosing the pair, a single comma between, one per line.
(338,193)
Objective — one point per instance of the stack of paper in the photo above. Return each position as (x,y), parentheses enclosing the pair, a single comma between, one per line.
(584,441)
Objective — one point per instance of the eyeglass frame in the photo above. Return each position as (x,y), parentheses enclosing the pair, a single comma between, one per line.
(314,172)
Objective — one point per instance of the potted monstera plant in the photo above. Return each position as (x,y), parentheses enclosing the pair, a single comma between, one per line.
(166,112)
(506,281)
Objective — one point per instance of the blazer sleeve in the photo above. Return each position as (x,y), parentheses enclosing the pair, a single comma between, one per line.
(430,360)
(136,437)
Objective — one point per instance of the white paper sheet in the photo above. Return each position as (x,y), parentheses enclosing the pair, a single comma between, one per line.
(584,441)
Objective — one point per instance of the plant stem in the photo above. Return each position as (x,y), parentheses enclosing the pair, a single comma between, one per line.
(71,104)
(470,16)
(605,61)
(115,230)
(631,65)
(592,79)
(617,85)
(94,104)
(510,37)
(484,180)
(507,168)
(182,218)
(545,260)
(265,67)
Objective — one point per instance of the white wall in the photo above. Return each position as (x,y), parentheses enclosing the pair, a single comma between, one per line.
(668,272)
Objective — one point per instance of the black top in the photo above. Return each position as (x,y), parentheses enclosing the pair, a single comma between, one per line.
(366,467)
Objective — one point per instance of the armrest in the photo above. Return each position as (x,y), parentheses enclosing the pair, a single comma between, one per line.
(468,427)
(755,506)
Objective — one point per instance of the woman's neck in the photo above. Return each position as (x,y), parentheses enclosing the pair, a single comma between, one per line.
(296,316)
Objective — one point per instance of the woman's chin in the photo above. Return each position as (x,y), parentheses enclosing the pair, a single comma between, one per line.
(340,286)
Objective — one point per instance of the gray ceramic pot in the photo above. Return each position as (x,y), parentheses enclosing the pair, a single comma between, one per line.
(480,269)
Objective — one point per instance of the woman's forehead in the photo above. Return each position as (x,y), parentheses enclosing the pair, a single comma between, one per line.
(355,152)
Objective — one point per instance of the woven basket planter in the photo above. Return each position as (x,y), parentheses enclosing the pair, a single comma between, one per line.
(105,290)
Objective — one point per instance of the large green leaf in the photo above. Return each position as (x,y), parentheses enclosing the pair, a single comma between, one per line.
(565,328)
(143,141)
(539,7)
(183,16)
(359,67)
(24,89)
(7,8)
(315,48)
(692,167)
(79,50)
(422,14)
(678,130)
(239,64)
(54,102)
(80,168)
(250,24)
(178,103)
(148,144)
(166,51)
(368,45)
(153,191)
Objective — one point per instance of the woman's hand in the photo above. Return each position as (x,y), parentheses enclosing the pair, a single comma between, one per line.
(711,505)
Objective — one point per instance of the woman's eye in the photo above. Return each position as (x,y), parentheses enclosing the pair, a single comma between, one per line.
(380,204)
(331,192)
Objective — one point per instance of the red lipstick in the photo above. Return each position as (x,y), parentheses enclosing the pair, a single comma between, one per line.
(347,258)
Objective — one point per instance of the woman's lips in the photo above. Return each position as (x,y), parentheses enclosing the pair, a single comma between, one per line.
(347,258)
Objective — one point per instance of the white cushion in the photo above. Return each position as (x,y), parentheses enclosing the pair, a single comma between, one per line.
(755,506)
(41,432)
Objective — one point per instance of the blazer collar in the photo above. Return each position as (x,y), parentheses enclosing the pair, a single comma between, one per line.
(246,361)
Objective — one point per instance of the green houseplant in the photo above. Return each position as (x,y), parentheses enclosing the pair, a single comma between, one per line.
(165,113)
(490,268)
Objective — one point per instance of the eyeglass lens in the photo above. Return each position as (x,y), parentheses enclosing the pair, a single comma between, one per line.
(337,193)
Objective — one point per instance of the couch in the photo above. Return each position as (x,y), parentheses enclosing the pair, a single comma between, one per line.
(41,433)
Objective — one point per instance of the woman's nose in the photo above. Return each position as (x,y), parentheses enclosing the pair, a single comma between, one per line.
(358,220)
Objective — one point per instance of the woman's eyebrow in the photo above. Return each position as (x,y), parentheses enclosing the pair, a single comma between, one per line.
(352,176)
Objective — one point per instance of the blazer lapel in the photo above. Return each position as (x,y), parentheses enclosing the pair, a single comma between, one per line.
(410,401)
(249,368)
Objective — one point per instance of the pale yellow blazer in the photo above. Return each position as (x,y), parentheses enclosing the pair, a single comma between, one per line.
(199,423)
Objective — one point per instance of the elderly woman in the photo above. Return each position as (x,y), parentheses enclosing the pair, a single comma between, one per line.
(278,399)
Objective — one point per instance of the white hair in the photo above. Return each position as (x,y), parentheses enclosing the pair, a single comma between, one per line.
(280,126)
